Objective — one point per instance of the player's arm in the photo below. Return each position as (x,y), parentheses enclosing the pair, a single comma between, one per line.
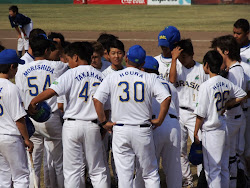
(23,130)
(198,123)
(48,93)
(163,112)
(25,36)
(102,116)
(18,31)
(173,73)
(233,102)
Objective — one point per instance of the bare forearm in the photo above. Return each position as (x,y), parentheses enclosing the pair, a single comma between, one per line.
(18,31)
(173,72)
(235,101)
(22,128)
(100,110)
(48,93)
(164,109)
(23,31)
(198,123)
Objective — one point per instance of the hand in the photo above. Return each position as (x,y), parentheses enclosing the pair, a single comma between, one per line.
(108,126)
(32,109)
(176,52)
(156,123)
(29,144)
(19,36)
(196,139)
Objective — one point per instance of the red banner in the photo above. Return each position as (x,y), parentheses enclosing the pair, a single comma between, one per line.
(118,2)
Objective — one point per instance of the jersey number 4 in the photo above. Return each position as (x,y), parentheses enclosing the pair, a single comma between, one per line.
(34,91)
(138,97)
(221,99)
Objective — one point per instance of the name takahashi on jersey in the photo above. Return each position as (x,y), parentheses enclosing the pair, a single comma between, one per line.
(88,74)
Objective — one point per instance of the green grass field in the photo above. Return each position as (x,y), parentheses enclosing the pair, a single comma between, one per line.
(128,17)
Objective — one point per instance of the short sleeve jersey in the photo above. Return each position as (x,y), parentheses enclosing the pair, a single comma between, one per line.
(79,85)
(237,77)
(11,108)
(36,76)
(188,82)
(131,92)
(164,66)
(27,57)
(19,20)
(174,105)
(245,54)
(213,95)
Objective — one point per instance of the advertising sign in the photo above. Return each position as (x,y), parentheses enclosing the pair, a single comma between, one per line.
(169,2)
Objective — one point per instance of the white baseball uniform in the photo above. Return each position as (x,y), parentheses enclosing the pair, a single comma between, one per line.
(109,70)
(164,66)
(187,84)
(235,120)
(13,158)
(245,54)
(24,42)
(81,133)
(213,94)
(32,79)
(131,92)
(167,140)
(27,57)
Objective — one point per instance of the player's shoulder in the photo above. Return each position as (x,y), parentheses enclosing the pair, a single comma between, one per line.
(9,86)
(158,57)
(87,71)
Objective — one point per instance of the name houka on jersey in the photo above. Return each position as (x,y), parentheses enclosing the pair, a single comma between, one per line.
(131,73)
(88,74)
(38,67)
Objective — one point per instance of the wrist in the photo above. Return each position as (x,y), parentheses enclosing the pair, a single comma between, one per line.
(103,123)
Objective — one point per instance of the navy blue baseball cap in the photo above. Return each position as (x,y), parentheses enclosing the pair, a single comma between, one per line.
(151,63)
(168,37)
(9,56)
(136,54)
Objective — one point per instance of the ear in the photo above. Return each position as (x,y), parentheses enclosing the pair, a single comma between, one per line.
(75,58)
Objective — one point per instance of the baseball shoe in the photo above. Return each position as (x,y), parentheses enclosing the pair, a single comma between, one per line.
(187,184)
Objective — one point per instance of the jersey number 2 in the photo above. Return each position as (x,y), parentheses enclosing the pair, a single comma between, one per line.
(84,91)
(221,99)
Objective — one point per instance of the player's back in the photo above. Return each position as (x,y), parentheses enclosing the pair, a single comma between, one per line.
(79,85)
(37,76)
(131,95)
(214,93)
(10,107)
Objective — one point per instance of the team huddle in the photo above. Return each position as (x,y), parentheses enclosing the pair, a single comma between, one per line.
(125,107)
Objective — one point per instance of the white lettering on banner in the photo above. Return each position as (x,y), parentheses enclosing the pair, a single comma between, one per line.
(133,1)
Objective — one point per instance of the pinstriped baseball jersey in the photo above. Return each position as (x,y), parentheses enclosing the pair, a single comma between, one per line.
(131,92)
(36,76)
(213,94)
(188,82)
(79,85)
(11,108)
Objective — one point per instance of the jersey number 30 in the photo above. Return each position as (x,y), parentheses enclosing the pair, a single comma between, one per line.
(138,97)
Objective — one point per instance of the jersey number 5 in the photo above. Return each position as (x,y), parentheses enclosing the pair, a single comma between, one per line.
(35,90)
(137,85)
(221,99)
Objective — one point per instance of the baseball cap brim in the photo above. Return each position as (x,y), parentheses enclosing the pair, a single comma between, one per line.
(9,56)
(163,43)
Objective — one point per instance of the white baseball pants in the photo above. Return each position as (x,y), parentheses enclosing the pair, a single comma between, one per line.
(247,142)
(22,42)
(131,142)
(216,157)
(48,135)
(167,140)
(13,162)
(83,137)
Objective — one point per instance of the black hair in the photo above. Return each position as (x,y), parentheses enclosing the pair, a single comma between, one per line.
(228,43)
(151,71)
(116,44)
(186,45)
(105,39)
(53,35)
(36,32)
(83,50)
(5,68)
(39,44)
(214,60)
(1,47)
(66,43)
(14,8)
(243,24)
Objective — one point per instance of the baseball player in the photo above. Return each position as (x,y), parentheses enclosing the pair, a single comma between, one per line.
(23,26)
(28,56)
(167,137)
(97,57)
(228,48)
(166,40)
(214,97)
(81,133)
(186,75)
(13,132)
(241,34)
(131,92)
(33,78)
(116,53)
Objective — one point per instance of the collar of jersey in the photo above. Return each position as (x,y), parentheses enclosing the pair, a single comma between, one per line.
(30,55)
(166,57)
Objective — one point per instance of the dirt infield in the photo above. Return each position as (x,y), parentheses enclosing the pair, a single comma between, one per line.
(148,40)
